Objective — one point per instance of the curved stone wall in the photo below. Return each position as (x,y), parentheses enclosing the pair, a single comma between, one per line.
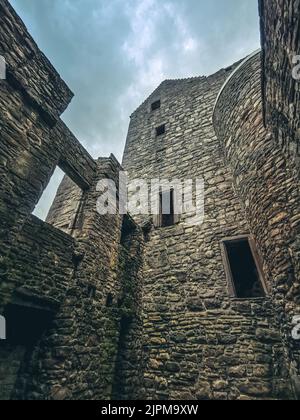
(269,190)
(280,28)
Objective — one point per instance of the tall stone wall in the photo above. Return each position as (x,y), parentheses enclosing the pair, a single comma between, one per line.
(35,261)
(267,184)
(75,358)
(198,342)
(64,294)
(129,374)
(280,25)
(280,28)
(104,306)
(33,139)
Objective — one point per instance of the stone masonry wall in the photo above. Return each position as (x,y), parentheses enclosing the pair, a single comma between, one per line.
(267,183)
(129,374)
(42,266)
(198,343)
(75,358)
(32,143)
(280,30)
(60,291)
(36,261)
(105,306)
(29,70)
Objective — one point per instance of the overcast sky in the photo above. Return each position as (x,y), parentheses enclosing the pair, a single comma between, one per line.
(114,53)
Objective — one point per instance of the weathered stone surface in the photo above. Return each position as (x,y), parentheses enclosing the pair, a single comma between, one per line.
(280,26)
(67,293)
(119,308)
(270,191)
(28,69)
(187,311)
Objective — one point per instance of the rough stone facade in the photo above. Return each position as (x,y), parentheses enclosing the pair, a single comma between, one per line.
(62,293)
(115,307)
(198,341)
(268,185)
(280,29)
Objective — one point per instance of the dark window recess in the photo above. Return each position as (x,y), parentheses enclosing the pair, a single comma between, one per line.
(155,105)
(167,208)
(25,325)
(109,300)
(120,383)
(92,291)
(160,131)
(128,229)
(243,269)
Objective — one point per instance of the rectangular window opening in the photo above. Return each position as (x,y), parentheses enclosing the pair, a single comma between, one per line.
(160,131)
(167,208)
(61,203)
(244,273)
(26,324)
(155,105)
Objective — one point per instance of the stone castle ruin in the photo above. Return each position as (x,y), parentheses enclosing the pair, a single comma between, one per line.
(122,307)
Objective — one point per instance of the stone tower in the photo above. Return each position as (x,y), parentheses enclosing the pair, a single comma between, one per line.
(200,337)
(154,305)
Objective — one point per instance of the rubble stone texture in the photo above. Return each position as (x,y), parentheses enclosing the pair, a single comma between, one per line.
(280,29)
(111,307)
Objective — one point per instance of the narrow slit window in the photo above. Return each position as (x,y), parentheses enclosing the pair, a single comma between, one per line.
(160,131)
(243,269)
(109,300)
(167,208)
(155,105)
